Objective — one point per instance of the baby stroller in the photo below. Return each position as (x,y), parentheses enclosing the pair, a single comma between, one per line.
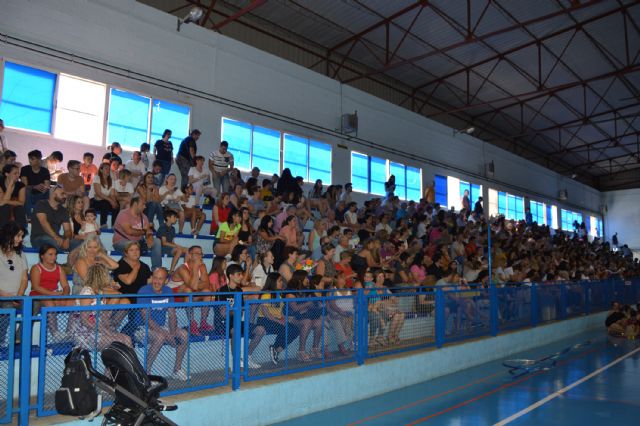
(136,393)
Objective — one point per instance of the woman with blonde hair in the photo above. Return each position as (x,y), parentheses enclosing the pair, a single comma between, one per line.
(90,253)
(98,282)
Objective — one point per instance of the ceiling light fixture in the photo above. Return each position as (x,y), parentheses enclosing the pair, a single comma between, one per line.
(467,131)
(194,15)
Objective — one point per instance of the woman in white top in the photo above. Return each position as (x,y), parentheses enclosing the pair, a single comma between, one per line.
(103,195)
(124,188)
(172,197)
(263,268)
(201,180)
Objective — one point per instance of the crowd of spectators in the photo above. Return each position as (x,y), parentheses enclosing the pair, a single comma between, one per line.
(260,242)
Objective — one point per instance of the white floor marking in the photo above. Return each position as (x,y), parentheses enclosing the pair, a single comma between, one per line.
(564,390)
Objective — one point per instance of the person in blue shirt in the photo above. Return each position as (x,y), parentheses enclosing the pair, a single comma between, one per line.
(163,323)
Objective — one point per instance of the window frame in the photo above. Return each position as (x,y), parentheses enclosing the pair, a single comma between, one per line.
(19,130)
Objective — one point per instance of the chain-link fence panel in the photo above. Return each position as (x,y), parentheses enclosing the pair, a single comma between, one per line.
(7,342)
(514,307)
(400,321)
(576,294)
(549,302)
(285,335)
(598,295)
(466,314)
(160,334)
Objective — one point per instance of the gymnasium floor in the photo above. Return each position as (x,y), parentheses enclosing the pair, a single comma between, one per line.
(597,384)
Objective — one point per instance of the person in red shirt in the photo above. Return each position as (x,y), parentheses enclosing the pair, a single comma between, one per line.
(48,279)
(344,266)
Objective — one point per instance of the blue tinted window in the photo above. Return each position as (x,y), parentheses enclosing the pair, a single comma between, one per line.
(128,119)
(502,203)
(378,174)
(266,150)
(549,215)
(414,184)
(359,172)
(27,98)
(296,155)
(441,190)
(238,134)
(398,170)
(320,162)
(519,214)
(167,115)
(537,212)
(476,192)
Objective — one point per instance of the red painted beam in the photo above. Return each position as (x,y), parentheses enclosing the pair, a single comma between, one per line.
(475,39)
(254,4)
(377,25)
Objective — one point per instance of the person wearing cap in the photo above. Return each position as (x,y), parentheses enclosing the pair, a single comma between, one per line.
(186,157)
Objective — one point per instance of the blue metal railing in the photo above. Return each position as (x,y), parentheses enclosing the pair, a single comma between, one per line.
(238,347)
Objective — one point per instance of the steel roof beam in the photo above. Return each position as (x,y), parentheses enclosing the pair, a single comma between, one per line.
(254,5)
(477,38)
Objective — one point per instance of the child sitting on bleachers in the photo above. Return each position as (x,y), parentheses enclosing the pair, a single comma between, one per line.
(167,233)
(48,279)
(89,226)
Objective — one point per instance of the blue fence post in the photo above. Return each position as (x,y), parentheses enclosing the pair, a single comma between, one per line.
(587,297)
(535,306)
(563,301)
(361,310)
(236,349)
(25,360)
(441,321)
(493,309)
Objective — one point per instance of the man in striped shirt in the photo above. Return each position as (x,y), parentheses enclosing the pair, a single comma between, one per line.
(220,164)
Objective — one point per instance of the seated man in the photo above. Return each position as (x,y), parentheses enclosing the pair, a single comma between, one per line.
(133,225)
(161,333)
(37,180)
(49,216)
(72,183)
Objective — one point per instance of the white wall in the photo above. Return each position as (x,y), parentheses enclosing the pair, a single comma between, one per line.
(135,47)
(623,216)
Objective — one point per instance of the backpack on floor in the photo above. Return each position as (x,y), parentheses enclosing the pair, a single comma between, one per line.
(77,395)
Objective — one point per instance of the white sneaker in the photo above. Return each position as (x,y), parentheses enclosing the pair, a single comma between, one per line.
(179,375)
(253,364)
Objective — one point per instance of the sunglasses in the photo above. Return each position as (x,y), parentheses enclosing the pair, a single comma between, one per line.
(10,263)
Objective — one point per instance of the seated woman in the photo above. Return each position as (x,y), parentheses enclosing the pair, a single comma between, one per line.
(263,268)
(315,198)
(149,193)
(124,188)
(227,237)
(90,253)
(48,279)
(200,180)
(193,212)
(290,233)
(240,256)
(172,198)
(220,213)
(103,195)
(306,315)
(12,197)
(288,266)
(272,319)
(384,308)
(98,282)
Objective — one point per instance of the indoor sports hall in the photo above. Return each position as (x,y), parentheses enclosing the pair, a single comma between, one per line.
(339,212)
